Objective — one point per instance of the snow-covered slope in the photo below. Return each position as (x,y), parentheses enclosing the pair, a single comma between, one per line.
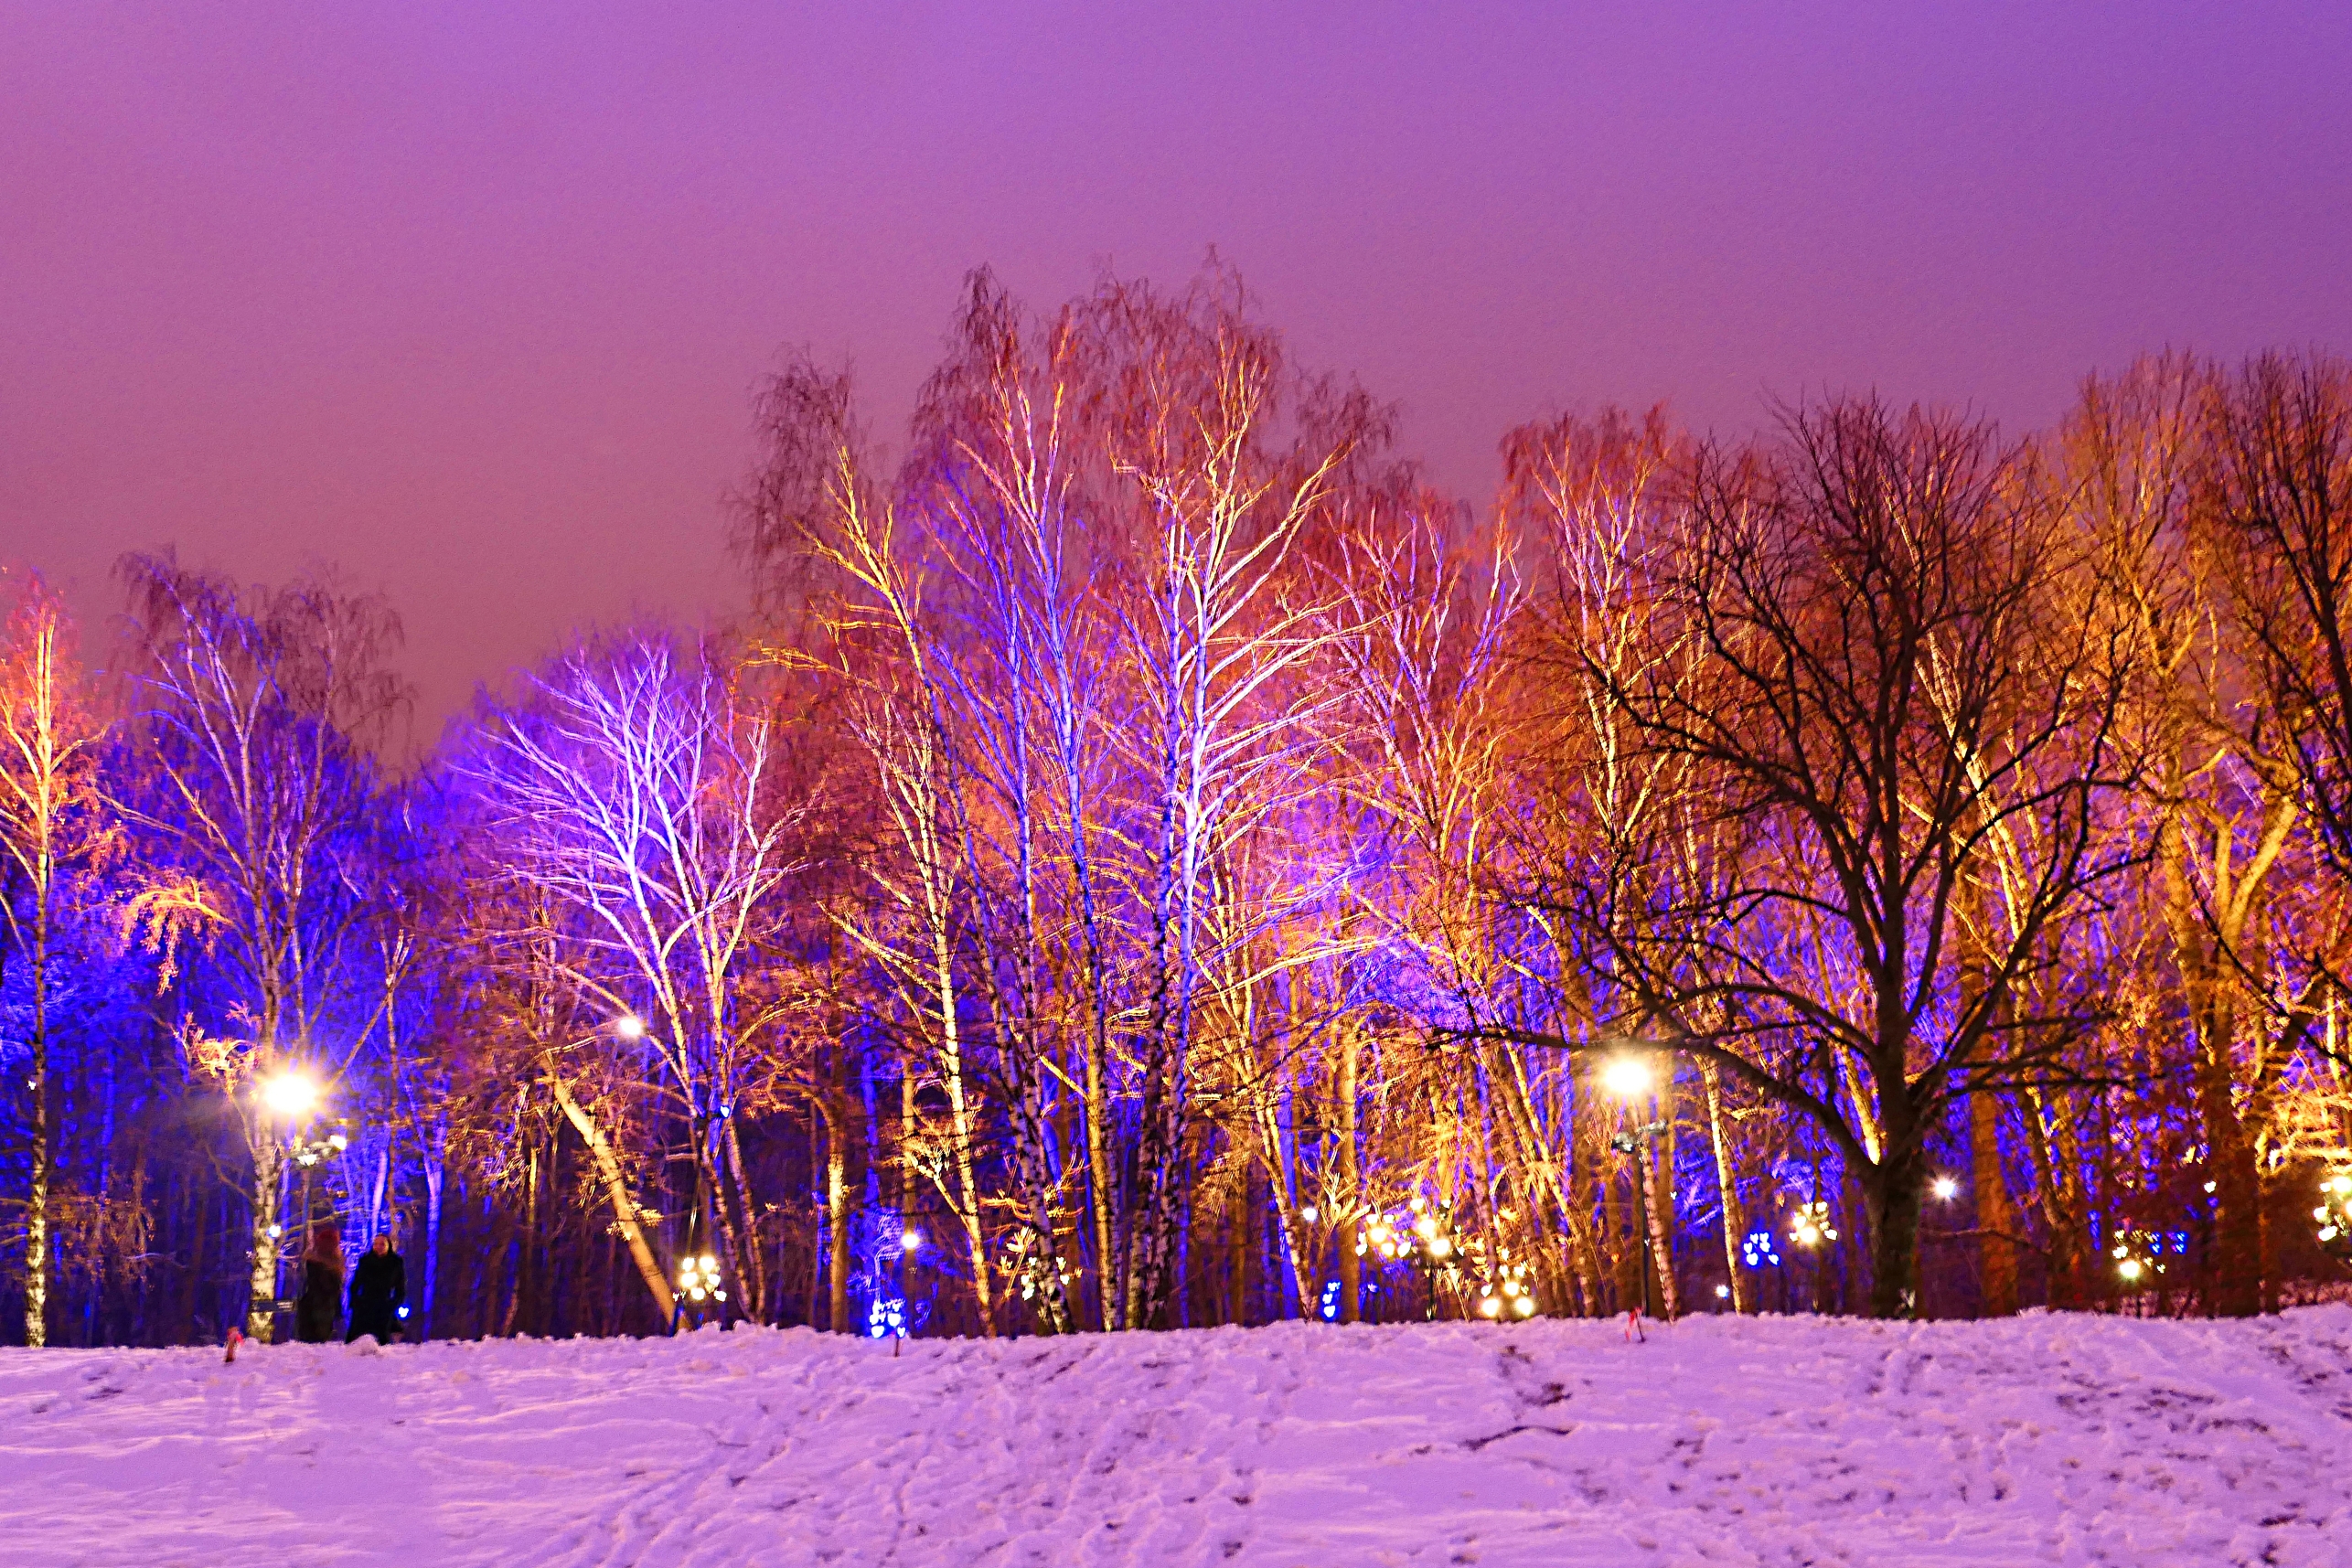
(2044,1439)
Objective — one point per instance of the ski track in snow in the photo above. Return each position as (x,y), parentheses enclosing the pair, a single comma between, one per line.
(2044,1439)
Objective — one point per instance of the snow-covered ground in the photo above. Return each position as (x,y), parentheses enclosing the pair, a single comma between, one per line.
(2044,1439)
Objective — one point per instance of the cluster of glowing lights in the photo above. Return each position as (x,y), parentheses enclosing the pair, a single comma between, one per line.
(1811,1227)
(1424,1233)
(2335,1215)
(311,1154)
(697,1279)
(1027,1265)
(2138,1256)
(1760,1249)
(1508,1295)
(1424,1229)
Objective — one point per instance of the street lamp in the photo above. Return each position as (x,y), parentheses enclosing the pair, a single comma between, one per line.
(699,1287)
(1423,1235)
(910,1242)
(1945,1189)
(1810,1229)
(1629,1076)
(292,1095)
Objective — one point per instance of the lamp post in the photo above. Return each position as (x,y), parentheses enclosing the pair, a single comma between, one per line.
(701,1285)
(1629,1077)
(1812,1230)
(292,1095)
(1425,1236)
(699,1281)
(910,1242)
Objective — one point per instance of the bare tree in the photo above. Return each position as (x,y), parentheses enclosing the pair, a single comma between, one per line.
(51,819)
(251,812)
(1879,688)
(633,793)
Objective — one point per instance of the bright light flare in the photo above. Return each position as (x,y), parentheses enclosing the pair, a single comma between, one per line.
(628,1026)
(1627,1077)
(911,1240)
(291,1093)
(1946,1188)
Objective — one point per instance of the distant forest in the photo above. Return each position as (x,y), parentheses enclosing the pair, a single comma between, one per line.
(1152,861)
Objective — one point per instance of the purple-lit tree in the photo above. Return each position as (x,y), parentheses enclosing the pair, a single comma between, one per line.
(249,816)
(635,794)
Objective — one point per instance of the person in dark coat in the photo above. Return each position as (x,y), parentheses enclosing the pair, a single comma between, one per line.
(321,1302)
(378,1286)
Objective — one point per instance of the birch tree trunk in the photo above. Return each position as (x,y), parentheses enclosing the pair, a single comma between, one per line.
(616,1191)
(1735,1218)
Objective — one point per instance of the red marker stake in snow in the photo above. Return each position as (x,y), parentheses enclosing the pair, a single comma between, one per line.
(1633,1326)
(236,1338)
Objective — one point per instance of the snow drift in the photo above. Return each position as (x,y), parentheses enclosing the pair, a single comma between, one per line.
(2046,1439)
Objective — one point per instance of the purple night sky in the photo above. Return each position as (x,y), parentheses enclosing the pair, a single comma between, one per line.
(469,298)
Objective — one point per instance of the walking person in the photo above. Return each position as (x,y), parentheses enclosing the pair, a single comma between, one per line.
(378,1286)
(321,1302)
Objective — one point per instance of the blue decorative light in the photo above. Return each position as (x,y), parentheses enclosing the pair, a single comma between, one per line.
(885,1317)
(1332,1301)
(1758,1249)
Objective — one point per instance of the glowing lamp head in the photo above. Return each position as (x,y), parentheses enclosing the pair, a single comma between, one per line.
(1946,1188)
(2130,1268)
(911,1240)
(628,1026)
(292,1094)
(1490,1306)
(1627,1077)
